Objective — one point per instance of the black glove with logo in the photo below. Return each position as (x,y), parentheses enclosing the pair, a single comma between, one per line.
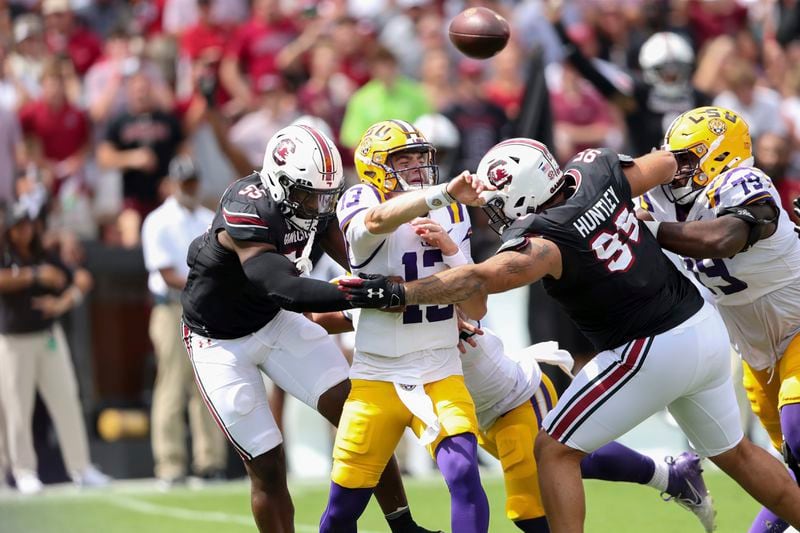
(373,291)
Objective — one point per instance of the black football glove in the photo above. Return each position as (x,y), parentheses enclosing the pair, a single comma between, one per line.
(796,205)
(373,291)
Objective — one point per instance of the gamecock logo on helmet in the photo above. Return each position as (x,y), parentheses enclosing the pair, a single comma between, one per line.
(498,175)
(282,151)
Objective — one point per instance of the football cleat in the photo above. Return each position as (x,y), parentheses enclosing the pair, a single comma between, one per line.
(28,483)
(90,477)
(691,492)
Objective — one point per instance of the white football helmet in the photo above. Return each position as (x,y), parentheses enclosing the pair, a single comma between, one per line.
(666,59)
(302,171)
(526,176)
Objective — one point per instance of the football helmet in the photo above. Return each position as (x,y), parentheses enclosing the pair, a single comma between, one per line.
(706,141)
(382,141)
(525,175)
(302,171)
(666,59)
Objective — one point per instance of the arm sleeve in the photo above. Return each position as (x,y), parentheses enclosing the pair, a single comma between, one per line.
(278,277)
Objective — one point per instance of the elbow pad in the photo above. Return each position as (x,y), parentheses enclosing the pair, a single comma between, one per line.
(278,277)
(749,214)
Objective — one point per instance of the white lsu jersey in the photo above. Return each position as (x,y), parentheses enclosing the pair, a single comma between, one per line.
(496,381)
(420,331)
(751,282)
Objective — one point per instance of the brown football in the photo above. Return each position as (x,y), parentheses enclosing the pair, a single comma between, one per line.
(479,32)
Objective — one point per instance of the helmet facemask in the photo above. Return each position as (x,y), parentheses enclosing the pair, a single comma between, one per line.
(411,168)
(498,219)
(689,179)
(306,207)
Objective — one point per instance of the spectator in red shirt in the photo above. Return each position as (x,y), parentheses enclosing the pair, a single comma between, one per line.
(64,36)
(505,87)
(327,90)
(56,131)
(712,19)
(351,40)
(204,37)
(257,46)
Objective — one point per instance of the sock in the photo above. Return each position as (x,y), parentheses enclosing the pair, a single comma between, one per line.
(457,457)
(533,525)
(344,508)
(768,522)
(660,480)
(400,521)
(615,462)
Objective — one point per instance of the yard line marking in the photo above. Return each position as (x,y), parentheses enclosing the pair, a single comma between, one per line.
(182,513)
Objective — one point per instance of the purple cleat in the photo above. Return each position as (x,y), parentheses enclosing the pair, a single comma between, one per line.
(687,488)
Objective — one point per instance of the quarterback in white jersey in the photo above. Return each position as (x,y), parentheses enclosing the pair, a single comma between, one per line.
(406,369)
(723,216)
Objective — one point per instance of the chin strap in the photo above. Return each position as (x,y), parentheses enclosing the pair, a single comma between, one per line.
(303,263)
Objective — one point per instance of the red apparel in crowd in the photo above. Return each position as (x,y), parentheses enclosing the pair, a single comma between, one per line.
(83,47)
(256,44)
(509,100)
(710,21)
(789,189)
(200,38)
(148,15)
(588,108)
(62,131)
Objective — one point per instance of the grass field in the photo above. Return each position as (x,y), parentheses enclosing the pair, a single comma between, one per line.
(138,507)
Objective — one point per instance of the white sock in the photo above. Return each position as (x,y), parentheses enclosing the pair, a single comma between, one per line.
(660,478)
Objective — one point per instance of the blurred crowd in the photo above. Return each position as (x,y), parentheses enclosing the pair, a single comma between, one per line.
(99,97)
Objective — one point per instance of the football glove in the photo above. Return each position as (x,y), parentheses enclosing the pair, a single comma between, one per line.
(373,291)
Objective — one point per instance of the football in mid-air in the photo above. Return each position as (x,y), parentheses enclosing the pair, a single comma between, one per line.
(479,32)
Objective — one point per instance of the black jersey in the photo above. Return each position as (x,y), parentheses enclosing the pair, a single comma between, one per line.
(616,283)
(218,300)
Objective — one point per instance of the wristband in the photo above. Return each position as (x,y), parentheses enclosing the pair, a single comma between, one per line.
(652,225)
(438,197)
(455,260)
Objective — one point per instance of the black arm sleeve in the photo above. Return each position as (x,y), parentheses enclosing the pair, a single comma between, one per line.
(277,276)
(757,217)
(585,67)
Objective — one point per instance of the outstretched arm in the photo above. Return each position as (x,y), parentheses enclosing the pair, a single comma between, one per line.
(504,271)
(388,216)
(277,276)
(650,170)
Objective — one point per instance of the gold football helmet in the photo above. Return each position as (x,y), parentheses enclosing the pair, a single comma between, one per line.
(706,141)
(388,140)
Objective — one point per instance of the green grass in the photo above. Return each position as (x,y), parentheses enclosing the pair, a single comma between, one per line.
(138,508)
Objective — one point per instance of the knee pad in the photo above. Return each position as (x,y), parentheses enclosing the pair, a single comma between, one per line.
(515,450)
(352,467)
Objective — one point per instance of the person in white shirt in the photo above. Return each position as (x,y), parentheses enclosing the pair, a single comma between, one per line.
(166,235)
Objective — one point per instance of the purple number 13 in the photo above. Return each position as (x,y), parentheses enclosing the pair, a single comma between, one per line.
(433,313)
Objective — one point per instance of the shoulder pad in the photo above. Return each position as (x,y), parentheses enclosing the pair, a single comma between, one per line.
(517,243)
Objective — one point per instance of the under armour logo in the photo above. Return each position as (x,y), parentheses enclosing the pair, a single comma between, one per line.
(374,293)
